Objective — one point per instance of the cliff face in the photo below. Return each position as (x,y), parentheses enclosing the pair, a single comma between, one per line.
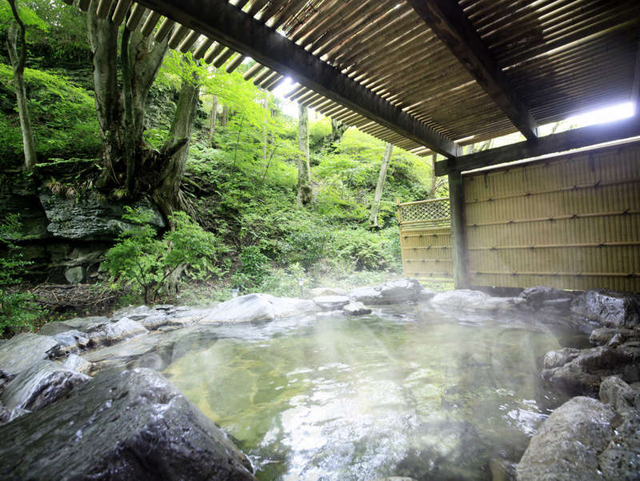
(66,237)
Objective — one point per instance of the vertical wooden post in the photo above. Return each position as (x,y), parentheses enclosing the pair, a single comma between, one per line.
(458,230)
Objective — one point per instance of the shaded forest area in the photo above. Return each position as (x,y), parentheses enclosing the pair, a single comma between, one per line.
(208,177)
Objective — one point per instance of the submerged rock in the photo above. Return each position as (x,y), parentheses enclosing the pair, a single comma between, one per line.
(129,426)
(40,385)
(324,291)
(331,303)
(469,300)
(393,292)
(24,351)
(258,307)
(356,309)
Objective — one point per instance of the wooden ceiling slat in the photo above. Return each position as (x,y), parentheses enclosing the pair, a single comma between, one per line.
(189,42)
(235,63)
(120,12)
(211,55)
(165,29)
(253,70)
(554,55)
(201,49)
(262,76)
(180,33)
(135,17)
(317,21)
(374,16)
(270,80)
(150,24)
(104,6)
(274,85)
(450,24)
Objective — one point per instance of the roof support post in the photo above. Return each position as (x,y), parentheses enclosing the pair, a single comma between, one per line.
(458,230)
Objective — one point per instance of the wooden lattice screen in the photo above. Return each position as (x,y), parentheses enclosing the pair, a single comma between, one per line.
(571,222)
(425,239)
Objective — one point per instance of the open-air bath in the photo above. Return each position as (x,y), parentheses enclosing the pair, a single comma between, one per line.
(403,391)
(416,385)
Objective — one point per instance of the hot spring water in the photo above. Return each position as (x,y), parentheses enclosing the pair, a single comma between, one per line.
(395,393)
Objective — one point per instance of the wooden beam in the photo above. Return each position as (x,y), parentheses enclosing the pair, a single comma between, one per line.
(449,22)
(562,142)
(635,88)
(458,230)
(239,31)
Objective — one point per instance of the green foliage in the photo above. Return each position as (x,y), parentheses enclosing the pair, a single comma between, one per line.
(17,309)
(147,263)
(284,282)
(55,33)
(63,116)
(27,14)
(254,268)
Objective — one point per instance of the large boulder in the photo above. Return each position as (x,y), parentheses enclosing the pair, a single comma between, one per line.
(393,292)
(609,308)
(40,385)
(568,444)
(24,351)
(258,307)
(586,439)
(131,425)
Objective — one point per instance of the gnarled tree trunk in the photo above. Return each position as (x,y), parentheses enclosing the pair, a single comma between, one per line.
(121,111)
(337,131)
(17,46)
(167,191)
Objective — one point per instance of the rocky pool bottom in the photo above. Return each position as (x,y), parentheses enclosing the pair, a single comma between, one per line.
(376,383)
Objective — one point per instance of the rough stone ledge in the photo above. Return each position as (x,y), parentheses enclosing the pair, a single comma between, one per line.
(588,440)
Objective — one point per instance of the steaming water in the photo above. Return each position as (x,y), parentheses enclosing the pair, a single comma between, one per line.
(395,393)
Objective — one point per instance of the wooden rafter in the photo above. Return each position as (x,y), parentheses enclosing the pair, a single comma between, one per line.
(238,30)
(448,21)
(562,142)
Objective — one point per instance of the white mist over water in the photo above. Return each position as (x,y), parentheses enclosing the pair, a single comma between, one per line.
(415,394)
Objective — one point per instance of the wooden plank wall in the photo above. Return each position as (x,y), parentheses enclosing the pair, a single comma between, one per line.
(571,222)
(425,239)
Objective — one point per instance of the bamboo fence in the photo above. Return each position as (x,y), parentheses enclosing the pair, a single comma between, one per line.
(571,222)
(425,239)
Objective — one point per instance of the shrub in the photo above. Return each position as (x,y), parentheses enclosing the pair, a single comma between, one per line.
(149,263)
(254,268)
(18,311)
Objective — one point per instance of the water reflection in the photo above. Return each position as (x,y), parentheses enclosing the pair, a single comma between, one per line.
(395,393)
